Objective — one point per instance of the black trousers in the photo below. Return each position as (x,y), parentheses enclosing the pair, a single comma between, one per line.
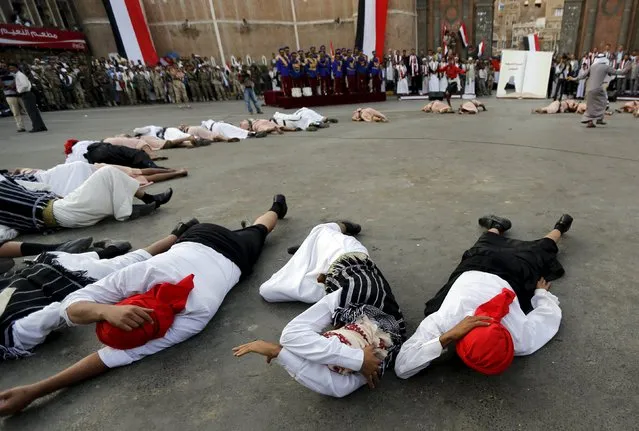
(520,263)
(31,106)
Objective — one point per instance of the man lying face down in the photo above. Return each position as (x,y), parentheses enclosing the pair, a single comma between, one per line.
(151,305)
(496,304)
(333,270)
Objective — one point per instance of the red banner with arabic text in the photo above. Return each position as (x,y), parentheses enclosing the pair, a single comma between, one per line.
(34,37)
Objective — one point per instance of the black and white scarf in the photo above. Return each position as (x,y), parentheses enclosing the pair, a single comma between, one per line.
(365,291)
(41,283)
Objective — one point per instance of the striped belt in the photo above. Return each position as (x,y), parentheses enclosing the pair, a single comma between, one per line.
(47,215)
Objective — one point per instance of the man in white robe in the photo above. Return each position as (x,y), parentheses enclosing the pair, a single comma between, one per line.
(496,304)
(332,269)
(303,118)
(211,258)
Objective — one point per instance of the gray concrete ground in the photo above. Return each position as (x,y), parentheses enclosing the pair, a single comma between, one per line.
(417,185)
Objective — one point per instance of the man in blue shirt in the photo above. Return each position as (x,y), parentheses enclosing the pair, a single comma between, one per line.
(311,71)
(283,69)
(362,73)
(338,73)
(375,70)
(324,72)
(351,71)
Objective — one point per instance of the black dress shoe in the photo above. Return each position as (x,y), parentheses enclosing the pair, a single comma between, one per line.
(123,246)
(22,130)
(602,122)
(333,120)
(182,227)
(261,135)
(142,210)
(6,264)
(564,223)
(76,246)
(162,198)
(352,229)
(292,250)
(488,222)
(38,130)
(280,206)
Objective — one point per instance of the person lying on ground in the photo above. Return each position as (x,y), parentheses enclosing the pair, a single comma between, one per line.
(264,126)
(109,192)
(154,304)
(496,304)
(102,152)
(369,115)
(333,270)
(63,179)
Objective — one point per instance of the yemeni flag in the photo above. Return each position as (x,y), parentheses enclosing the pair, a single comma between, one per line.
(131,31)
(371,26)
(531,42)
(463,34)
(480,49)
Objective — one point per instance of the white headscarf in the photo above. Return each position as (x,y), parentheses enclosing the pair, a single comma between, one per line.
(601,59)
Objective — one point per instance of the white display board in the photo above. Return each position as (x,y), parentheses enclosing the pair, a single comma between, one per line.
(524,74)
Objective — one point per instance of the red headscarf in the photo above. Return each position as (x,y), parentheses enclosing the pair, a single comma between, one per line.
(165,299)
(68,146)
(489,349)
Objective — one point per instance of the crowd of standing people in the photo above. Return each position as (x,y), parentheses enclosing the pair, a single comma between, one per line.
(75,82)
(568,66)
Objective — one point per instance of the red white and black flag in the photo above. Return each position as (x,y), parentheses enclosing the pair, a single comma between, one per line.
(531,42)
(371,26)
(131,30)
(463,34)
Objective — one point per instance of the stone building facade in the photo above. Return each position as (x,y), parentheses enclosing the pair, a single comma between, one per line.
(225,28)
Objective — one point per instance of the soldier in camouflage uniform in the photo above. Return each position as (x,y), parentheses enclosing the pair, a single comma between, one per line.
(205,80)
(159,85)
(193,83)
(141,85)
(55,85)
(130,86)
(238,91)
(78,90)
(218,86)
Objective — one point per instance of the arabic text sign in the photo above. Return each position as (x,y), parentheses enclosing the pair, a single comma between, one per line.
(17,35)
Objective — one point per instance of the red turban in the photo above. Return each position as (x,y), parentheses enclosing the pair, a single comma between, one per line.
(165,299)
(489,349)
(68,146)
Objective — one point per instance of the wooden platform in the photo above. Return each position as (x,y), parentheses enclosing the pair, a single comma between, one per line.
(301,102)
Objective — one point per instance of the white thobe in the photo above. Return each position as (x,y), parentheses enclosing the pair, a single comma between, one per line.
(108,192)
(297,280)
(443,80)
(226,130)
(155,131)
(33,329)
(306,354)
(473,288)
(302,118)
(78,151)
(63,179)
(433,79)
(215,275)
(173,133)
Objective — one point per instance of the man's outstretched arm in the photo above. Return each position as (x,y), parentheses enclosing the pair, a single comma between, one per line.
(15,400)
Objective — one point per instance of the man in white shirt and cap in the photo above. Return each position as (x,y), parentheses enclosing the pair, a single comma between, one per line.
(496,304)
(27,99)
(333,270)
(154,304)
